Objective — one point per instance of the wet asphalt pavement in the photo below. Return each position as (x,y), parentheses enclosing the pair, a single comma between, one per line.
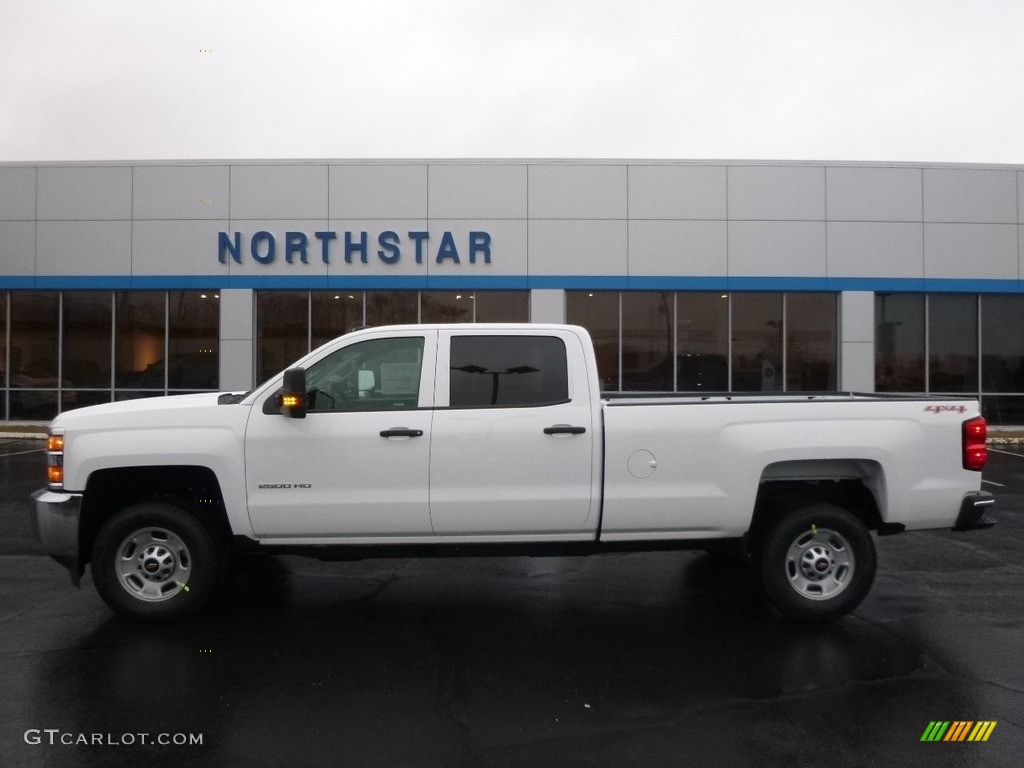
(665,659)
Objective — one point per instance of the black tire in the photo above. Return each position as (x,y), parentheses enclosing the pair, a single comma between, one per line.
(155,561)
(817,562)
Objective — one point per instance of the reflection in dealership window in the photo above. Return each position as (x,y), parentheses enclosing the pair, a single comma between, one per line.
(193,362)
(779,341)
(757,342)
(952,343)
(34,349)
(139,337)
(647,330)
(598,312)
(811,342)
(702,342)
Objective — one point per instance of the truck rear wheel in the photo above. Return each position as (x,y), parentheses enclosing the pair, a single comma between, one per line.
(154,561)
(817,563)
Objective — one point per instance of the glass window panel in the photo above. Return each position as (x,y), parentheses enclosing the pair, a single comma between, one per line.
(811,344)
(508,371)
(376,375)
(334,313)
(79,398)
(3,356)
(756,342)
(502,306)
(128,394)
(193,340)
(282,330)
(33,404)
(1005,410)
(446,306)
(598,312)
(899,342)
(702,329)
(139,335)
(35,321)
(647,320)
(1002,344)
(952,343)
(392,307)
(87,335)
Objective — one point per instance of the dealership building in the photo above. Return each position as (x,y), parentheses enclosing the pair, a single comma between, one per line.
(125,280)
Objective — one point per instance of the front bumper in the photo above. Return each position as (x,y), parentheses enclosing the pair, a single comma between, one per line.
(55,518)
(972,512)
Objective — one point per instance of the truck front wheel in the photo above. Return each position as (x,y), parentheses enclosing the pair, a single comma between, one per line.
(817,563)
(154,561)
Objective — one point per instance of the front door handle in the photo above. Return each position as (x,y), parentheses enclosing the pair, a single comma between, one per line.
(401,432)
(564,429)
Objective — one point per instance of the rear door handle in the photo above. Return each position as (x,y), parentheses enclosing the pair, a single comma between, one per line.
(564,429)
(401,432)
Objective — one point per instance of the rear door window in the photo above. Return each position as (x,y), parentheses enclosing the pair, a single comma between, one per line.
(508,371)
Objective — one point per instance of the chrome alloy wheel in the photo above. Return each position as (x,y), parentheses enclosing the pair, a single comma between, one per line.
(819,564)
(153,564)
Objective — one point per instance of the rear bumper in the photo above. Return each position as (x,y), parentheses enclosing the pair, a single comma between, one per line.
(55,518)
(972,515)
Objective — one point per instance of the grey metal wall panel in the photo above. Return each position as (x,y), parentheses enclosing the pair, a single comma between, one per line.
(875,249)
(577,192)
(17,248)
(181,192)
(777,248)
(857,316)
(1020,197)
(677,192)
(176,248)
(776,193)
(85,193)
(677,248)
(478,191)
(17,194)
(975,251)
(278,192)
(964,195)
(84,248)
(378,191)
(237,318)
(874,194)
(578,247)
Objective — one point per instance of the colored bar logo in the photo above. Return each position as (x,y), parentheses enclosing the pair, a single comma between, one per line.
(958,730)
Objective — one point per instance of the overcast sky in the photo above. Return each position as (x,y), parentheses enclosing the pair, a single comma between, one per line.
(887,80)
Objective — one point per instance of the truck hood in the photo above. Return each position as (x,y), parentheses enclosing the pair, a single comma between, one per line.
(173,410)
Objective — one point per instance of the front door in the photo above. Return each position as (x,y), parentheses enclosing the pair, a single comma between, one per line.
(357,465)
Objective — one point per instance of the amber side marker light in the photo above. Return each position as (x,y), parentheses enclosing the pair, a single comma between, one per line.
(55,460)
(975,450)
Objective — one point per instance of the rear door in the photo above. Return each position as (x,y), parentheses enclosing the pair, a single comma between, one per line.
(513,443)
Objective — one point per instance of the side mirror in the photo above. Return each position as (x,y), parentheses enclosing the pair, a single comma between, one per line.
(291,399)
(367,381)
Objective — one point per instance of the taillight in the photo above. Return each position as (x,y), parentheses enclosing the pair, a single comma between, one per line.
(975,431)
(55,459)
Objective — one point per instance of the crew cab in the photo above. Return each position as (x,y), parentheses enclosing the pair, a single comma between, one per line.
(435,440)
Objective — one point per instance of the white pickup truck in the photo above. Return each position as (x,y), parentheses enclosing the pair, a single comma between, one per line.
(495,439)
